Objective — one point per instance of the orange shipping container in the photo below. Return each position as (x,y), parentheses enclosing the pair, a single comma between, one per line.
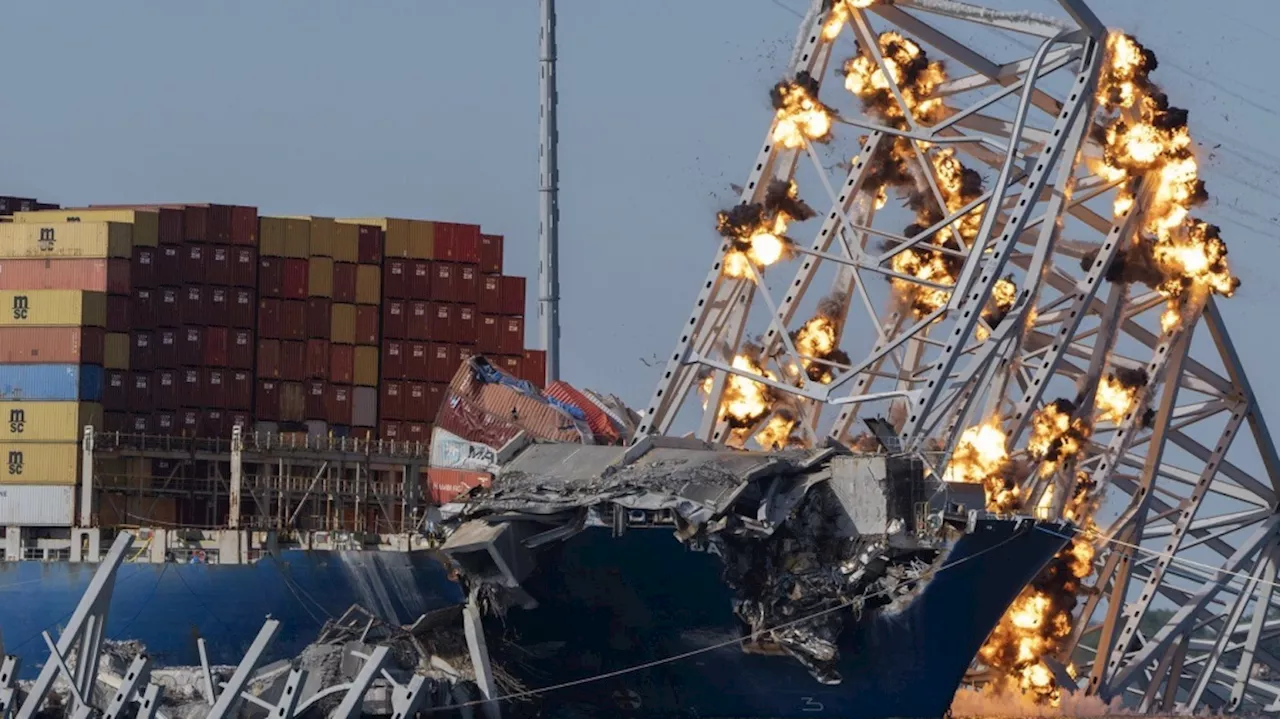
(297,238)
(320,277)
(271,236)
(51,345)
(342,324)
(346,242)
(446,485)
(368,284)
(94,275)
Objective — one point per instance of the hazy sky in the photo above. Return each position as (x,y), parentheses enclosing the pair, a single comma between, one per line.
(429,109)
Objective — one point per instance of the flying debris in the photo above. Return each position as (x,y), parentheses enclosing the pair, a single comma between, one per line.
(910,71)
(1056,435)
(800,116)
(758,230)
(818,341)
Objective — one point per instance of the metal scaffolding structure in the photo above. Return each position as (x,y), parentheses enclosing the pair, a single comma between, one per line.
(1188,533)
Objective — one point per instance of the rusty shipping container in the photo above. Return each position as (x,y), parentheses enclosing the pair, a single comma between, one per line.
(269,317)
(369,245)
(442,322)
(244,225)
(368,284)
(342,361)
(394,319)
(392,360)
(489,334)
(217,346)
(344,282)
(166,345)
(465,324)
(142,268)
(293,361)
(338,404)
(511,338)
(417,361)
(512,295)
(267,400)
(294,279)
(67,239)
(446,485)
(414,404)
(93,275)
(52,345)
(241,349)
(367,324)
(442,282)
(366,366)
(270,276)
(489,299)
(268,358)
(342,327)
(391,401)
(466,285)
(293,402)
(490,254)
(318,322)
(293,320)
(442,361)
(317,394)
(52,308)
(317,364)
(320,277)
(511,364)
(417,321)
(535,367)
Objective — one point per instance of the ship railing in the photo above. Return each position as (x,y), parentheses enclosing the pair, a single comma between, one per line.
(263,442)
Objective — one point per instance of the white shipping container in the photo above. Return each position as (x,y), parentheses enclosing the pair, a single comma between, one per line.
(364,407)
(37,505)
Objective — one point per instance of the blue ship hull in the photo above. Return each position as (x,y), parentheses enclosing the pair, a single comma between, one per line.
(614,604)
(168,606)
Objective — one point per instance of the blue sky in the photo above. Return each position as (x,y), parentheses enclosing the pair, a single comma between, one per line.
(429,109)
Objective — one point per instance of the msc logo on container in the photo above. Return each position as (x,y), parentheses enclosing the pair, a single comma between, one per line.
(20,307)
(17,421)
(47,239)
(15,463)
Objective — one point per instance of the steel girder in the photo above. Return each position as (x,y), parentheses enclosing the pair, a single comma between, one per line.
(1187,533)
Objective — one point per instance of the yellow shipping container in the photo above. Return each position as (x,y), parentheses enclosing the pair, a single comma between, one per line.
(346,242)
(145,223)
(366,373)
(47,421)
(368,284)
(271,236)
(52,308)
(342,323)
(321,236)
(297,238)
(116,354)
(320,277)
(422,239)
(47,463)
(66,239)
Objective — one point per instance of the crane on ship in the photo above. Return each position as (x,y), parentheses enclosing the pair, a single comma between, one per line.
(1049,324)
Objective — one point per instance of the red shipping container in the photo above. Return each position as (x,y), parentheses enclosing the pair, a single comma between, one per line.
(191,308)
(168,267)
(366,324)
(165,307)
(465,353)
(269,317)
(191,346)
(442,281)
(115,390)
(443,241)
(195,223)
(417,362)
(446,485)
(513,295)
(489,334)
(118,313)
(317,395)
(393,359)
(192,265)
(465,325)
(442,361)
(142,353)
(466,244)
(490,259)
(240,351)
(466,285)
(389,431)
(217,346)
(342,363)
(189,422)
(317,361)
(418,321)
(391,402)
(240,419)
(369,245)
(269,359)
(213,424)
(318,318)
(143,310)
(417,433)
(435,397)
(217,266)
(139,392)
(215,388)
(267,402)
(395,279)
(511,338)
(440,317)
(244,225)
(271,276)
(142,270)
(338,404)
(294,285)
(414,403)
(170,225)
(191,387)
(344,282)
(240,390)
(394,319)
(140,424)
(164,389)
(512,365)
(419,280)
(489,300)
(244,266)
(535,367)
(217,304)
(293,361)
(293,320)
(165,424)
(242,309)
(167,348)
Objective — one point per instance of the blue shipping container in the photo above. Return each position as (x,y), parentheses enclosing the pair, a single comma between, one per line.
(51,382)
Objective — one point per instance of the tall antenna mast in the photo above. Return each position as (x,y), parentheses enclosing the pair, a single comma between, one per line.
(549,191)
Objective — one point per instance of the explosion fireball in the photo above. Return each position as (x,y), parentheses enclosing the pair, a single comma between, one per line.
(758,230)
(1056,436)
(800,117)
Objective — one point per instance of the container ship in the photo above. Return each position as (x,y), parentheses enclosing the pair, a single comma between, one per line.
(666,578)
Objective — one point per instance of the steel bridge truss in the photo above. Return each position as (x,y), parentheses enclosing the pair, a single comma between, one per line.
(1188,536)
